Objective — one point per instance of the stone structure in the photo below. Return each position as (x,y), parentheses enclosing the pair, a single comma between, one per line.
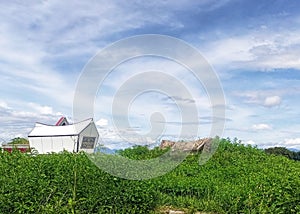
(194,146)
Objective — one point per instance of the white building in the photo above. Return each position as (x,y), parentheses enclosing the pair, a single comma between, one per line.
(81,136)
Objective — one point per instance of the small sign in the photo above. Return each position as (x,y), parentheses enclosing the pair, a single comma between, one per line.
(88,143)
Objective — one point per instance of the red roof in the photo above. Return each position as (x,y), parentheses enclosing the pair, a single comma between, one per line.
(59,121)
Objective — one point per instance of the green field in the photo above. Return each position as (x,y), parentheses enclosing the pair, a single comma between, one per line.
(237,179)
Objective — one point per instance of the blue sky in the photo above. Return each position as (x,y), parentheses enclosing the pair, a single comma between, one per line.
(253,47)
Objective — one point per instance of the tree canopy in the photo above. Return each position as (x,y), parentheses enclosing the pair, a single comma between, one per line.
(19,140)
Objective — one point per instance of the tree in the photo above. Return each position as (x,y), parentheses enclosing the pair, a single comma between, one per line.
(19,140)
(284,152)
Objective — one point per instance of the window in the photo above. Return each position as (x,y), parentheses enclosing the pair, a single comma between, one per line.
(88,142)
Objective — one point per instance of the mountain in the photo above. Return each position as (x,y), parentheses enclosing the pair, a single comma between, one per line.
(294,150)
(106,150)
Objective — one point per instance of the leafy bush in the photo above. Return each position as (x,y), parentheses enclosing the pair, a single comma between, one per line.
(142,152)
(67,183)
(284,152)
(237,179)
(18,140)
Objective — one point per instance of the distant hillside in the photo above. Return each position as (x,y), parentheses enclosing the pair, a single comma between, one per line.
(105,150)
(293,149)
(282,151)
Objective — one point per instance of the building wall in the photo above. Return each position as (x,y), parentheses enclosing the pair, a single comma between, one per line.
(85,141)
(21,147)
(85,138)
(46,145)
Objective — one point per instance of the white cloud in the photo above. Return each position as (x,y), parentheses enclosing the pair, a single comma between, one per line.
(263,98)
(288,143)
(41,109)
(3,105)
(260,49)
(261,126)
(249,142)
(272,101)
(19,121)
(292,143)
(102,122)
(119,139)
(35,38)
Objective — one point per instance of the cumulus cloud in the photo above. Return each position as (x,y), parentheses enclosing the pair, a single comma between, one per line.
(120,139)
(260,49)
(263,98)
(249,142)
(288,143)
(18,122)
(292,143)
(261,126)
(272,101)
(42,109)
(102,122)
(3,105)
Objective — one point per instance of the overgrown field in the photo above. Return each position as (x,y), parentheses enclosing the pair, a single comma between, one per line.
(237,179)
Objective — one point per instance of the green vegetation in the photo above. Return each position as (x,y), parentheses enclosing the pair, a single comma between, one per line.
(19,140)
(141,152)
(237,179)
(284,152)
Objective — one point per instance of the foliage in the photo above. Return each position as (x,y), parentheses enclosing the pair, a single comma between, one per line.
(19,140)
(67,183)
(237,179)
(141,152)
(284,152)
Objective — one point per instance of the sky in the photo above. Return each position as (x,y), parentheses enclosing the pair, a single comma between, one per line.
(252,46)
